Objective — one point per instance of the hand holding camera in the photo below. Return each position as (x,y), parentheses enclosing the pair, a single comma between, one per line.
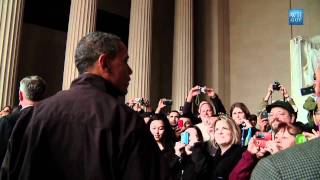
(272,147)
(262,121)
(139,101)
(210,92)
(202,90)
(246,124)
(276,86)
(179,148)
(309,136)
(193,92)
(262,138)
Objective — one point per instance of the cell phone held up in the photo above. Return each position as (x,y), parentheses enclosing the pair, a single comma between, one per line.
(180,123)
(262,138)
(185,137)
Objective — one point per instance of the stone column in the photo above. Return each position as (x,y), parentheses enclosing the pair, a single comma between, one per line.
(139,48)
(182,73)
(82,20)
(11,15)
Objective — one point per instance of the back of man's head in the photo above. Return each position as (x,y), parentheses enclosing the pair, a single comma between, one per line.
(33,88)
(91,46)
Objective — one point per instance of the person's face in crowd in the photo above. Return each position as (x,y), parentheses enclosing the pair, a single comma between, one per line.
(222,133)
(173,118)
(157,129)
(119,70)
(284,139)
(186,122)
(316,117)
(211,122)
(193,136)
(278,115)
(238,115)
(206,110)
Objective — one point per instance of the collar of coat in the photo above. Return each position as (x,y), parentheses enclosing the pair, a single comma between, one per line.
(97,82)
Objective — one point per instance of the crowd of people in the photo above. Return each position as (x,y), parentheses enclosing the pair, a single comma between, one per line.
(225,146)
(87,133)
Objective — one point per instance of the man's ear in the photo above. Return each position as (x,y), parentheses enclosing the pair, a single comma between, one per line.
(20,95)
(104,62)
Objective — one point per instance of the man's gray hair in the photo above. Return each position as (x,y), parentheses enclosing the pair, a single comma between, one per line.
(33,87)
(91,46)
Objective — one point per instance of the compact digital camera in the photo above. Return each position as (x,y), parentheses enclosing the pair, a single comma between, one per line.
(276,85)
(307,90)
(167,102)
(202,89)
(139,101)
(264,115)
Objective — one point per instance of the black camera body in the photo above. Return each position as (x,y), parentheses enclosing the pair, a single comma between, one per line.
(276,85)
(264,115)
(167,102)
(307,90)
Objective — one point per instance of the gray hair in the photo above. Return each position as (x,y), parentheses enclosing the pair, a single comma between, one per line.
(33,87)
(91,46)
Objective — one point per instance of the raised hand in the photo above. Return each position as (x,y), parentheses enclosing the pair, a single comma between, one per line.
(193,92)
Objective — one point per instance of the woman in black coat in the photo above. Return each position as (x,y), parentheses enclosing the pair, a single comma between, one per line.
(227,139)
(190,160)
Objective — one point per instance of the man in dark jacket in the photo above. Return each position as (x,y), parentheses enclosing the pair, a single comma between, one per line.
(31,90)
(85,132)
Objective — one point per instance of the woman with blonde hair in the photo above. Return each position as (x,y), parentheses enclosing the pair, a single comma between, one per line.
(227,138)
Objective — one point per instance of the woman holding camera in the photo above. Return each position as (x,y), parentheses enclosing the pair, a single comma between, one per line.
(240,114)
(284,138)
(190,161)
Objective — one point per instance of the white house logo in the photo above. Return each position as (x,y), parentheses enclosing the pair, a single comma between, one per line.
(295,16)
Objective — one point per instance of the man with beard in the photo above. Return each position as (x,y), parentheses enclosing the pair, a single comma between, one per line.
(280,111)
(85,132)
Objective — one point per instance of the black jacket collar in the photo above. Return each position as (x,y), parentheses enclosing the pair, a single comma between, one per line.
(97,82)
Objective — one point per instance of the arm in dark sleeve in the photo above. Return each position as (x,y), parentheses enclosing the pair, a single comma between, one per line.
(187,108)
(139,155)
(244,167)
(4,137)
(200,159)
(187,111)
(218,105)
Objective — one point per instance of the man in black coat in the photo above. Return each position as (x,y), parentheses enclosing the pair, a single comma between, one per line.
(31,90)
(86,132)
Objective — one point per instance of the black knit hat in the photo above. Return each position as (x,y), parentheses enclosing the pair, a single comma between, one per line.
(283,104)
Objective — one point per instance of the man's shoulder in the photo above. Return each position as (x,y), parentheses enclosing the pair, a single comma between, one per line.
(302,160)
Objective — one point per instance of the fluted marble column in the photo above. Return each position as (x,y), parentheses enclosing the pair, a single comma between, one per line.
(182,77)
(139,48)
(82,20)
(11,15)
